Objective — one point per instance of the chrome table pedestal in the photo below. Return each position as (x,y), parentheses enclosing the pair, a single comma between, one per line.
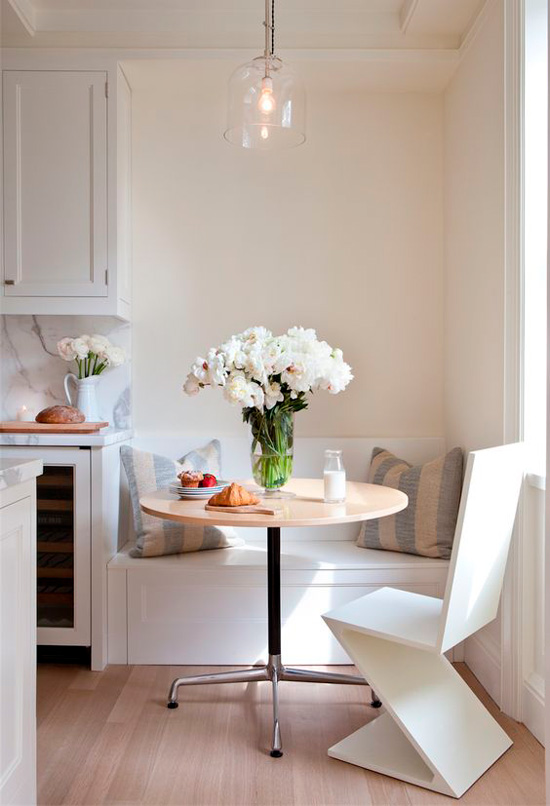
(274,670)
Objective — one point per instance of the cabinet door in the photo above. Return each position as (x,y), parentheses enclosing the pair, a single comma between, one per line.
(55,183)
(18,656)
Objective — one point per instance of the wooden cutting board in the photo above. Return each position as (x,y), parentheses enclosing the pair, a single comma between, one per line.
(18,427)
(251,509)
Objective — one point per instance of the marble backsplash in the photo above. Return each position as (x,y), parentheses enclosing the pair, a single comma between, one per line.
(32,373)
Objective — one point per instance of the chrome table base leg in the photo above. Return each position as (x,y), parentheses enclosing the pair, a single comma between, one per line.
(255,674)
(311,676)
(274,670)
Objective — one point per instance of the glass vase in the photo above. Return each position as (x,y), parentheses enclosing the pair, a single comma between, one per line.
(272,448)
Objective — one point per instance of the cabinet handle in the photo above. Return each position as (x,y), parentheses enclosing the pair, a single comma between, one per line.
(9,282)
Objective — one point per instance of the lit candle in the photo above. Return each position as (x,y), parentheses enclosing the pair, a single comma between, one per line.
(24,415)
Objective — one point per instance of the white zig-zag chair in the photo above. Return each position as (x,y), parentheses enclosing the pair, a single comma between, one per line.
(435,733)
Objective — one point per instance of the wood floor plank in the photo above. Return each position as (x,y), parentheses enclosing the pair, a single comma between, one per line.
(51,684)
(108,738)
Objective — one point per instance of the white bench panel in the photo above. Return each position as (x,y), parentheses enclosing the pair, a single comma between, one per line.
(210,607)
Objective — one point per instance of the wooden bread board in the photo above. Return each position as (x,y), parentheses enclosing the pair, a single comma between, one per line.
(250,509)
(18,427)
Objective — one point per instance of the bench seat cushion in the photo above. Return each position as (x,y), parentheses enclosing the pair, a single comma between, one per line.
(307,555)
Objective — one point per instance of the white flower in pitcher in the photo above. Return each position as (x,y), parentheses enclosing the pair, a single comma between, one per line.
(115,356)
(192,385)
(65,349)
(81,347)
(99,344)
(238,390)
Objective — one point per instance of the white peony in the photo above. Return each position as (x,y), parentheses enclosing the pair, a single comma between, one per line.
(273,395)
(254,365)
(258,395)
(81,346)
(216,369)
(230,350)
(259,370)
(192,385)
(65,349)
(239,391)
(199,368)
(256,334)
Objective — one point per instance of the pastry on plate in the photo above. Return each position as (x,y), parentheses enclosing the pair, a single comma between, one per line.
(233,496)
(190,478)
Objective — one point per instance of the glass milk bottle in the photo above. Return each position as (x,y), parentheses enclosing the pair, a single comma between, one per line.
(334,477)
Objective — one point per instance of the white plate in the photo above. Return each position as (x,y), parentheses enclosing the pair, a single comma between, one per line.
(197,492)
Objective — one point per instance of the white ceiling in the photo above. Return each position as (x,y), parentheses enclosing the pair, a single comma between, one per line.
(215,24)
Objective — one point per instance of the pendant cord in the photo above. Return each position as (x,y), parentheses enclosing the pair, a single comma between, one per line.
(272,27)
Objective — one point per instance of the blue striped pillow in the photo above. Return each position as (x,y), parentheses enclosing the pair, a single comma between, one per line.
(156,537)
(427,525)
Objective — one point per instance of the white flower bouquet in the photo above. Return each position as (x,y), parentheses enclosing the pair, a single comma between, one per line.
(269,377)
(93,354)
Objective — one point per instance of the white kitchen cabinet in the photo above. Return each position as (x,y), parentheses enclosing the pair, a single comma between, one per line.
(18,637)
(66,192)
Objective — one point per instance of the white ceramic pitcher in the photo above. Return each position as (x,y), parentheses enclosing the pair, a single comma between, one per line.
(86,396)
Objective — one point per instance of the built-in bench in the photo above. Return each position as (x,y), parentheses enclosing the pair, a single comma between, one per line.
(210,607)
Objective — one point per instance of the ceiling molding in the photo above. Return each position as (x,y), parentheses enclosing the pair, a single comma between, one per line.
(354,25)
(406,14)
(474,26)
(26,14)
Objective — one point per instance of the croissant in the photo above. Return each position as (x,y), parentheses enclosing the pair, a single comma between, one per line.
(233,496)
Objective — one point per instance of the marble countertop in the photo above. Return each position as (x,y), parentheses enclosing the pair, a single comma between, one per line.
(16,471)
(108,436)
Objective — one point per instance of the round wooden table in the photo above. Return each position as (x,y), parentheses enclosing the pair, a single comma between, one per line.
(307,508)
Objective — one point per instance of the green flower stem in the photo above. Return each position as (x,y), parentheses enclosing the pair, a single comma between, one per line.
(273,433)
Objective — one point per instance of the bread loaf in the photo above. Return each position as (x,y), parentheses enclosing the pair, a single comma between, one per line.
(60,414)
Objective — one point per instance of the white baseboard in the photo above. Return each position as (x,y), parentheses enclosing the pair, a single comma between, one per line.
(483,658)
(533,705)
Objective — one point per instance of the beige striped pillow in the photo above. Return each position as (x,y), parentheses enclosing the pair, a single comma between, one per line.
(427,525)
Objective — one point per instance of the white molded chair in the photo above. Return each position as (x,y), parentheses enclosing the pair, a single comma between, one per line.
(435,732)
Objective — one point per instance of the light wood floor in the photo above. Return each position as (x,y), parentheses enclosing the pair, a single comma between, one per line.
(107,738)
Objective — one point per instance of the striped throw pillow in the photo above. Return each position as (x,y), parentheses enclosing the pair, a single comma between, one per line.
(427,525)
(155,537)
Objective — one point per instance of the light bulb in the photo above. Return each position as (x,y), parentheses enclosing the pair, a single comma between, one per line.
(267,101)
(264,132)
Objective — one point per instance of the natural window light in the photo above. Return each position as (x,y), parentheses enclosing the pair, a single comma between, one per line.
(535,249)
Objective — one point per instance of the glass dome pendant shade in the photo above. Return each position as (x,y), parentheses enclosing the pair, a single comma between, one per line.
(266,105)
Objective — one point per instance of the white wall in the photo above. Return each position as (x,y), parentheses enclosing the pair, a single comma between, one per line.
(343,234)
(474,271)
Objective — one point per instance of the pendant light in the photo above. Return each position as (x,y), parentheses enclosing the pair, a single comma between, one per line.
(266,108)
